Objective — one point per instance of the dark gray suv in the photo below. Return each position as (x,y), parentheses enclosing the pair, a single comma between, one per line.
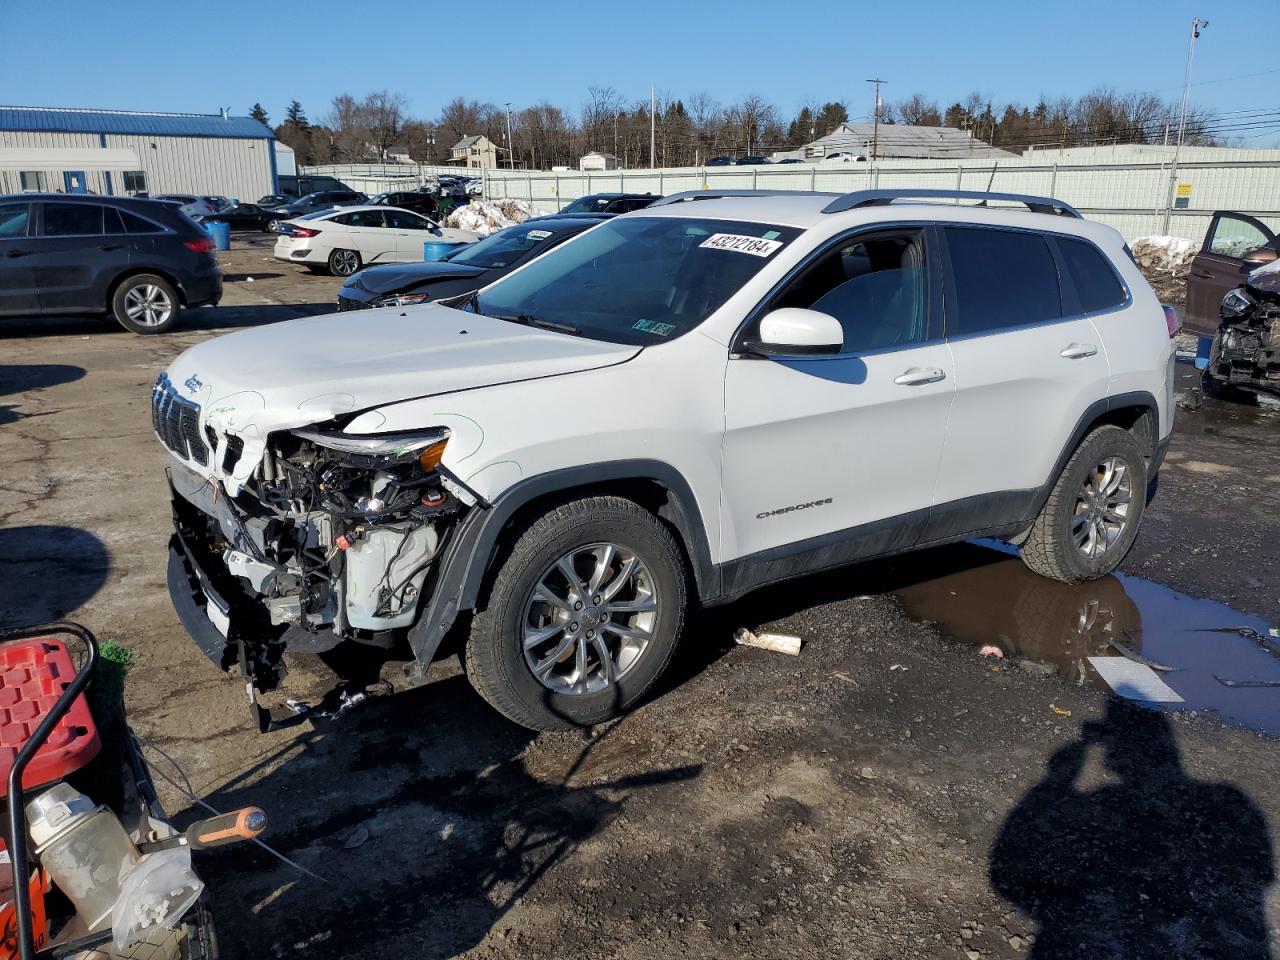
(139,260)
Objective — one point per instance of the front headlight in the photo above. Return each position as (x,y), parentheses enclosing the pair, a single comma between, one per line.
(1236,303)
(402,300)
(425,446)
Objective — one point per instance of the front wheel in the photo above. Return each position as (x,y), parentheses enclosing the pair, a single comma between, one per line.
(582,615)
(343,263)
(1091,518)
(145,304)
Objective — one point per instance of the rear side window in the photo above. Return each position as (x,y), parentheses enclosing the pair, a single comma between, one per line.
(1097,286)
(13,219)
(136,224)
(1001,279)
(72,220)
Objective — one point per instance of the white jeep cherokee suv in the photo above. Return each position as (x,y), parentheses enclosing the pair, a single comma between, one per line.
(682,404)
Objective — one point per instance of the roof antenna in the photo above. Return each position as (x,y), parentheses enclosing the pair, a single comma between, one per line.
(224,110)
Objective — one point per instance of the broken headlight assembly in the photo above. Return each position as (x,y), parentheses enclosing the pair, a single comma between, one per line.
(401,300)
(1237,303)
(376,475)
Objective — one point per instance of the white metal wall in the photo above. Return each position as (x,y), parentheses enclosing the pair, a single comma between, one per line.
(1129,192)
(202,165)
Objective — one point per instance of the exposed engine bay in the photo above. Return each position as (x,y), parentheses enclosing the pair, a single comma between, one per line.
(1246,348)
(332,538)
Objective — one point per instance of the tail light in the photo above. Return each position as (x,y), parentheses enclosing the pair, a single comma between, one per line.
(298,231)
(199,246)
(1171,320)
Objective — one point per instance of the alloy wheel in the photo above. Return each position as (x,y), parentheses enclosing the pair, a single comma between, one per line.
(589,619)
(1102,507)
(148,305)
(345,263)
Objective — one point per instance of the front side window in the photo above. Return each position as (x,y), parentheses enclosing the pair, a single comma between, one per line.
(1097,286)
(637,281)
(1234,237)
(1001,279)
(72,220)
(587,205)
(875,286)
(403,220)
(14,218)
(33,181)
(135,181)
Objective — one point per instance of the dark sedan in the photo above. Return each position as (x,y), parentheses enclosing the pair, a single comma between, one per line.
(416,200)
(243,216)
(611,203)
(470,268)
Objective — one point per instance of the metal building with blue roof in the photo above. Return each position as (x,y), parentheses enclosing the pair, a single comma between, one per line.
(58,149)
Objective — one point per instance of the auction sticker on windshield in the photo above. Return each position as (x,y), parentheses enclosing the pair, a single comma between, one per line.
(741,244)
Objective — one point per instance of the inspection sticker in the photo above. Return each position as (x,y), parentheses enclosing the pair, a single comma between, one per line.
(740,244)
(538,234)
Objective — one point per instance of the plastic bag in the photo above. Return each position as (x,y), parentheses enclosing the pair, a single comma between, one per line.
(155,892)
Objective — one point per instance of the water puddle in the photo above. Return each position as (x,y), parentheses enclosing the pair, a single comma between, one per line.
(982,594)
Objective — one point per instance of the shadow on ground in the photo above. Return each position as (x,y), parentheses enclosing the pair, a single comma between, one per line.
(21,377)
(421,815)
(201,318)
(1150,866)
(46,572)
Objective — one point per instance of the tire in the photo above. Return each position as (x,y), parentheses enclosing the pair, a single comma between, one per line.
(343,263)
(1052,548)
(146,304)
(271,226)
(496,661)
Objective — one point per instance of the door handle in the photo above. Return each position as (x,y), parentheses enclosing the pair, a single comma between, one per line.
(1078,351)
(17,253)
(1201,275)
(916,376)
(110,246)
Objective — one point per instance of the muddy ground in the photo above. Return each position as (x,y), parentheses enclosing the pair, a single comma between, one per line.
(887,793)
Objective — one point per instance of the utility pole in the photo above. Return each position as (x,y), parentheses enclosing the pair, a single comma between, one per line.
(511,156)
(875,135)
(1197,24)
(653,129)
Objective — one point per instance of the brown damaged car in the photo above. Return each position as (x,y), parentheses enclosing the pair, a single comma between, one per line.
(1233,296)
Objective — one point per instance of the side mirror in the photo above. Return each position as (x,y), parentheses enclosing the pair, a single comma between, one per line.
(792,330)
(1259,257)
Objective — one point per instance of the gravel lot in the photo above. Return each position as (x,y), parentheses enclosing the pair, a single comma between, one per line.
(888,793)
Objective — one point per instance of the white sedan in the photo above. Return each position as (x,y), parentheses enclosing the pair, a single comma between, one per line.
(344,240)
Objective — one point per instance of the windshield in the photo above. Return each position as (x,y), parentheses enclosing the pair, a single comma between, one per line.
(637,280)
(588,205)
(502,249)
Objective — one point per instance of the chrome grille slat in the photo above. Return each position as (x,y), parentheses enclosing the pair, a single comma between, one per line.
(177,422)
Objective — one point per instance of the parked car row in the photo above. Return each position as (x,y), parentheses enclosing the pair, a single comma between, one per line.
(341,241)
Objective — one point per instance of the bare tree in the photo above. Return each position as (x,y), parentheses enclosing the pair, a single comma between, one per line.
(916,110)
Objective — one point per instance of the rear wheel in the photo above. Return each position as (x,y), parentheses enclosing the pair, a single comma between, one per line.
(1091,518)
(582,616)
(343,263)
(145,304)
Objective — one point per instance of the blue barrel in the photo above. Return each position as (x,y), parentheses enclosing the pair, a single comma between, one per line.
(221,233)
(434,249)
(1203,346)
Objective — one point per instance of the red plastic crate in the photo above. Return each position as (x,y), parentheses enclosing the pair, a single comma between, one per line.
(33,674)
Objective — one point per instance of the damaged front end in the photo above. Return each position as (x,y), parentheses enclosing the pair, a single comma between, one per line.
(1246,349)
(333,537)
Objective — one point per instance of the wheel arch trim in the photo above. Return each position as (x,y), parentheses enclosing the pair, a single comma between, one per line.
(474,544)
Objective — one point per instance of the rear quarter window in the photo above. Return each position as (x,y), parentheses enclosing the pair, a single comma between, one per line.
(1097,286)
(1001,279)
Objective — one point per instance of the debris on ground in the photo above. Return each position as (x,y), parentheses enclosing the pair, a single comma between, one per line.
(489,216)
(777,642)
(1060,711)
(897,666)
(991,650)
(1134,680)
(1137,657)
(1165,262)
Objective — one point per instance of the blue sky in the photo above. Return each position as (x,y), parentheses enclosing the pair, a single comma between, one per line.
(188,56)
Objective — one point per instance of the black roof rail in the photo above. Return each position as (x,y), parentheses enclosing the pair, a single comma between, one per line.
(718,194)
(877,198)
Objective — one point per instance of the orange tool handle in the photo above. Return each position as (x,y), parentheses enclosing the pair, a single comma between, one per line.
(243,824)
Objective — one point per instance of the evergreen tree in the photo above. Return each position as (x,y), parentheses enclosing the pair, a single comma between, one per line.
(259,114)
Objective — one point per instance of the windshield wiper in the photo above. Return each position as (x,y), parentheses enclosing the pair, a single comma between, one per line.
(532,321)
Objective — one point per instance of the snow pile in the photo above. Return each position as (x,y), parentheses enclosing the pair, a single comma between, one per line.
(489,216)
(1165,262)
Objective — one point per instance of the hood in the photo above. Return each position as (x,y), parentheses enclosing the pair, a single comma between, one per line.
(395,277)
(299,372)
